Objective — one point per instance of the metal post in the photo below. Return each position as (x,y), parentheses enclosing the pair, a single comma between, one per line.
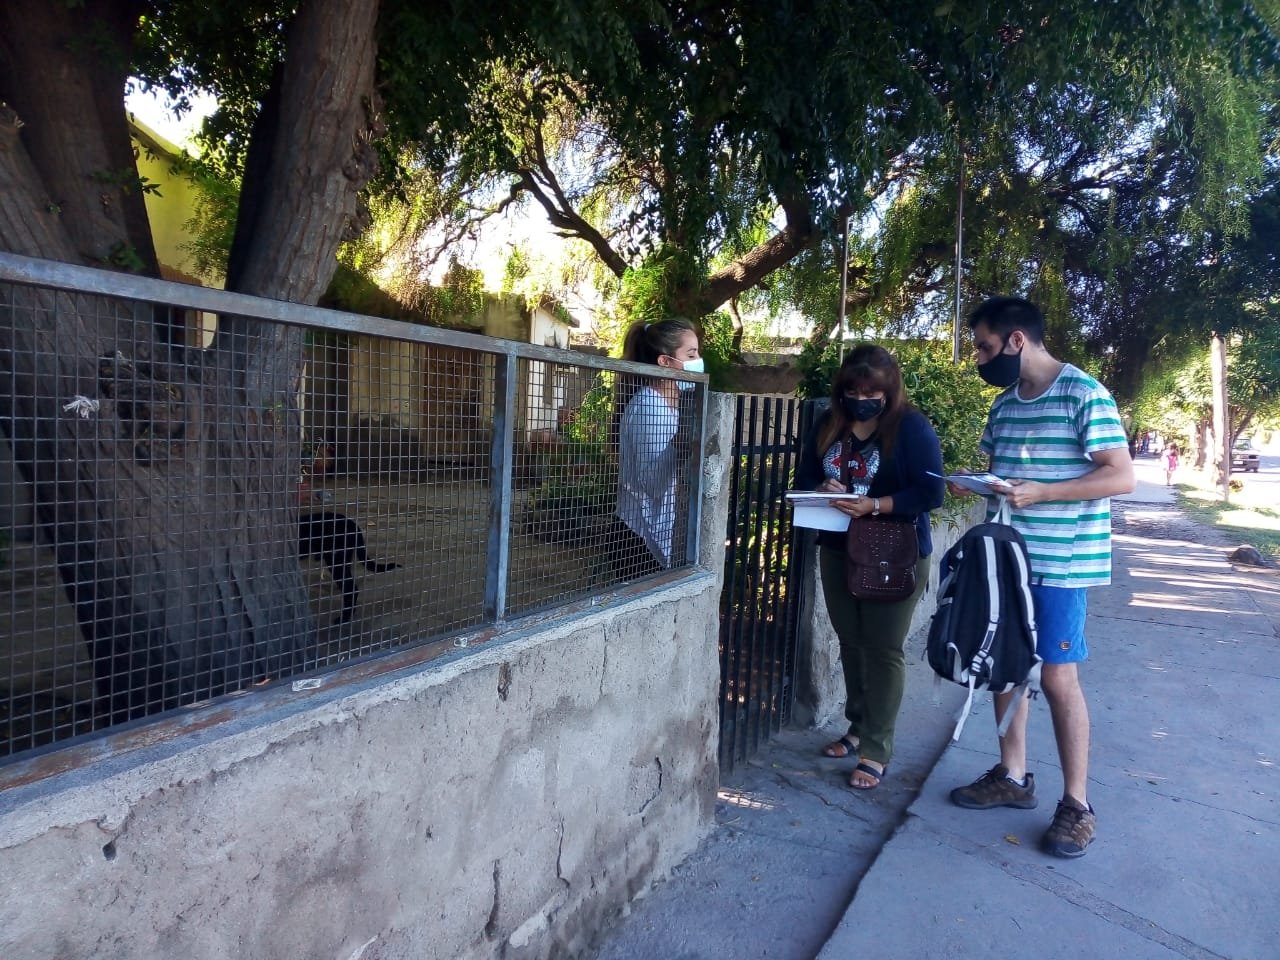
(694,478)
(1221,420)
(844,282)
(956,323)
(498,550)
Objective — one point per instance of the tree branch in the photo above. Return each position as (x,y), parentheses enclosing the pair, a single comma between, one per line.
(573,224)
(756,264)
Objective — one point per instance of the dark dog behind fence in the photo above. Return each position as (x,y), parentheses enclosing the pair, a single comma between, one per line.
(339,541)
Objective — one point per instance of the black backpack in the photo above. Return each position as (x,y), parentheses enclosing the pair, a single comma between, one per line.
(983,634)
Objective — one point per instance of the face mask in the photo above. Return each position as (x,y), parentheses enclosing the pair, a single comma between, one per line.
(690,366)
(1003,369)
(862,410)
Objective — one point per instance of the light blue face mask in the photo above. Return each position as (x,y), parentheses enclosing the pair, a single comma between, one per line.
(691,366)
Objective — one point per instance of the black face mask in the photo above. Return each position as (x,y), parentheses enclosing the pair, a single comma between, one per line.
(862,410)
(1003,369)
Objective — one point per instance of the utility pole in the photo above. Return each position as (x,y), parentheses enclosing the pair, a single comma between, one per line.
(956,323)
(1221,419)
(844,281)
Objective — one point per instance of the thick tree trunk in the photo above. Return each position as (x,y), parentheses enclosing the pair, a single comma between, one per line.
(172,508)
(63,68)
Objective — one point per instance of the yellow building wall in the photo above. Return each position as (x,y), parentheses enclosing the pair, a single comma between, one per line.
(169,207)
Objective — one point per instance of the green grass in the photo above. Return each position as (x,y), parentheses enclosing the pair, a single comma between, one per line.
(1245,517)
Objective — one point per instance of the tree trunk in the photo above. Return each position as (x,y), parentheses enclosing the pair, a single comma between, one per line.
(172,509)
(735,318)
(63,68)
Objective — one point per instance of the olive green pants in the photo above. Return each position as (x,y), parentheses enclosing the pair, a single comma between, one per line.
(872,635)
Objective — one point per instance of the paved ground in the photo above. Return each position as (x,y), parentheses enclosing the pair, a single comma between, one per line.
(1183,687)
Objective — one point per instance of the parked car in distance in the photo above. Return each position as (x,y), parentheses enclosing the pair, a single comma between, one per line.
(1244,457)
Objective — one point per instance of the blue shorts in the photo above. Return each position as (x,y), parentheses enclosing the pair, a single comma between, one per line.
(1060,613)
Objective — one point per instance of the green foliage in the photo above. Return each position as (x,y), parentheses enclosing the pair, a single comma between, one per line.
(1178,395)
(458,299)
(716,343)
(127,180)
(212,225)
(593,420)
(1102,144)
(515,271)
(577,475)
(125,256)
(649,291)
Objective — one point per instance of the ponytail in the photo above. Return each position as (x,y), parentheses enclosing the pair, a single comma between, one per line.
(646,342)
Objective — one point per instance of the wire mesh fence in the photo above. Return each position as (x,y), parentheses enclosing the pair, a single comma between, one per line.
(203,493)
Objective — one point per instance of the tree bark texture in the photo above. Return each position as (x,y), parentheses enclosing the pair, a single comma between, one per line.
(63,68)
(172,507)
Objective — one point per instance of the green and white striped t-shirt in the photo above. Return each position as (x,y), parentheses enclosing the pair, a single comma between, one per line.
(1051,439)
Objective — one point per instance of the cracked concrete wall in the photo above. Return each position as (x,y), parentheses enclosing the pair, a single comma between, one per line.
(506,803)
(820,683)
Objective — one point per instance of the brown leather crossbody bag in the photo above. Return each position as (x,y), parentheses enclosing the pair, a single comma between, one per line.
(881,553)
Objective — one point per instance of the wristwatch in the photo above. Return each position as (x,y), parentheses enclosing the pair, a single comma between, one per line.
(875,506)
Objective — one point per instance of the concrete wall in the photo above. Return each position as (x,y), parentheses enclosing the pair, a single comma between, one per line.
(820,684)
(503,803)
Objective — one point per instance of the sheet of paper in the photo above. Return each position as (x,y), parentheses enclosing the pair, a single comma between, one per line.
(813,498)
(982,483)
(819,517)
(815,510)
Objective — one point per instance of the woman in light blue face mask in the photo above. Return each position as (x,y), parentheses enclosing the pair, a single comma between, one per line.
(649,452)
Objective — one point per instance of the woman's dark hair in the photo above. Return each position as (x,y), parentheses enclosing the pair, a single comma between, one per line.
(646,342)
(867,368)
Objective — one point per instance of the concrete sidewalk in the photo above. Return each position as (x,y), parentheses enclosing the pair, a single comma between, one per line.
(1184,691)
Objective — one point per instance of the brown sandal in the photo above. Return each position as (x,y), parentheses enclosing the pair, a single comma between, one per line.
(865,767)
(838,749)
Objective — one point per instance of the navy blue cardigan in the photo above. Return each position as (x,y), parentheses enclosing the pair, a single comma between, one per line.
(903,475)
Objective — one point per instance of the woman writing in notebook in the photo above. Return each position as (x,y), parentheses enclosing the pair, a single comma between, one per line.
(873,443)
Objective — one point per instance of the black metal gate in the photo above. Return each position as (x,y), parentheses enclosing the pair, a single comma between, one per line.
(763,579)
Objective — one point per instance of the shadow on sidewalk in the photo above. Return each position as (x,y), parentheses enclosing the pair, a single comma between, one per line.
(791,843)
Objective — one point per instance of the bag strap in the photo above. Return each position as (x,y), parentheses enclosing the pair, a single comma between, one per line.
(1003,514)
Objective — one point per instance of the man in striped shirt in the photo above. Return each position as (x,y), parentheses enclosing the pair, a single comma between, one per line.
(1055,435)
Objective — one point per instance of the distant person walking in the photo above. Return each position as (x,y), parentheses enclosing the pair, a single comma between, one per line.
(1055,434)
(1170,463)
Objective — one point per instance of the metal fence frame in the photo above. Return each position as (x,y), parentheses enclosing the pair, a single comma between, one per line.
(71,278)
(759,631)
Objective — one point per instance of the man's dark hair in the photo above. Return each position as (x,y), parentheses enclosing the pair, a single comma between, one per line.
(1003,315)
